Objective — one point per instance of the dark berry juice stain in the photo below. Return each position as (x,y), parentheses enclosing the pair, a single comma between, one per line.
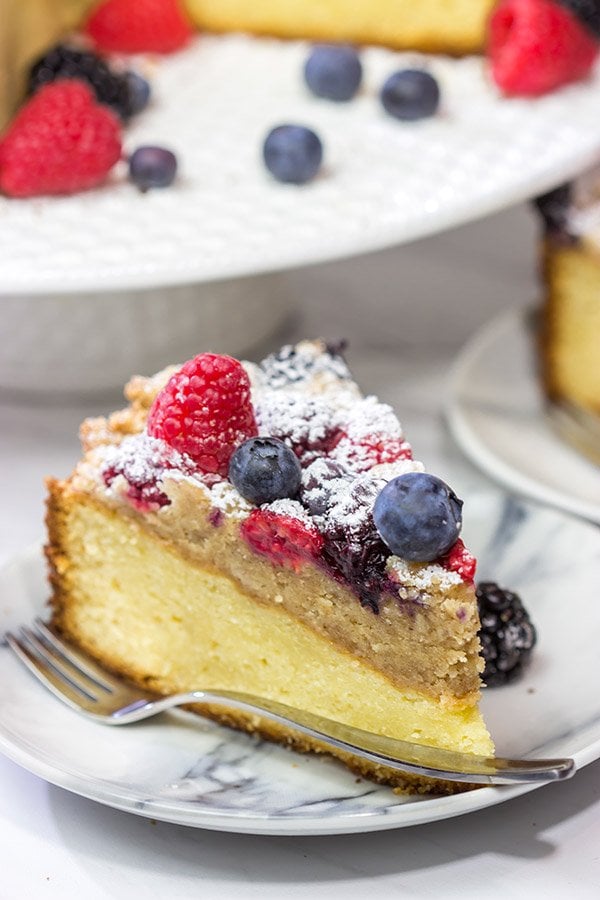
(215,517)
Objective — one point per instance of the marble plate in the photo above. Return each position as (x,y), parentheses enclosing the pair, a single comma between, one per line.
(186,770)
(383,182)
(496,413)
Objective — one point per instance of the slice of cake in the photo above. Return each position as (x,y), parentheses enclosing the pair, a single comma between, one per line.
(446,26)
(266,529)
(570,314)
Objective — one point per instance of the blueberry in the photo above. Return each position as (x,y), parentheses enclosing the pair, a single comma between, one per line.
(418,516)
(333,72)
(152,167)
(292,153)
(264,469)
(139,92)
(411,94)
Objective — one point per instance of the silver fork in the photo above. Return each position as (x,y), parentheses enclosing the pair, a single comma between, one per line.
(87,687)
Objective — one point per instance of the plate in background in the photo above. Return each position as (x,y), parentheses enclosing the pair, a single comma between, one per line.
(497,414)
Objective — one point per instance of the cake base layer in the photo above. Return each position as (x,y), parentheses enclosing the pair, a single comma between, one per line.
(128,597)
(435,26)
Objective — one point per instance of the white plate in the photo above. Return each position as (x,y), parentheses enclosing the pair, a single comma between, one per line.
(496,413)
(384,182)
(186,770)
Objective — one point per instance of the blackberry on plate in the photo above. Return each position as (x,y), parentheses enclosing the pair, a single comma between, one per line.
(112,88)
(507,634)
(410,94)
(264,469)
(333,71)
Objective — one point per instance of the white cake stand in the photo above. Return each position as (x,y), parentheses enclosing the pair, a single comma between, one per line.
(383,183)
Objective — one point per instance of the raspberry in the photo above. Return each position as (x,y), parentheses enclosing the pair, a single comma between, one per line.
(286,541)
(61,142)
(205,411)
(536,46)
(458,559)
(371,450)
(139,26)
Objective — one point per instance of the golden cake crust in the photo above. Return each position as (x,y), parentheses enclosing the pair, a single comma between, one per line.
(446,26)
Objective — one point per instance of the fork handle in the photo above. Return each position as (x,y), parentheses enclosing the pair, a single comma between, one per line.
(405,756)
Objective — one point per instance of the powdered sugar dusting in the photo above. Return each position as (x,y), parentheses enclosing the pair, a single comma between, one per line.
(291,508)
(305,362)
(422,578)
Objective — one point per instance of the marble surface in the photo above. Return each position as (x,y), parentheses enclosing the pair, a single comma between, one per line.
(424,300)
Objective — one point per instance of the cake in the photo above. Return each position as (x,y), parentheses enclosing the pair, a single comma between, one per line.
(435,26)
(570,313)
(172,564)
(29,27)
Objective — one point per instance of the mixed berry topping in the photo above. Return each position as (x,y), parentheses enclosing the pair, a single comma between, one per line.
(61,141)
(264,469)
(536,46)
(152,167)
(286,540)
(410,94)
(418,516)
(306,424)
(308,359)
(143,463)
(121,91)
(205,411)
(507,634)
(329,473)
(334,72)
(293,153)
(139,26)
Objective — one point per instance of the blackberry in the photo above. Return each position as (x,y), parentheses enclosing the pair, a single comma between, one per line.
(507,634)
(291,365)
(554,208)
(587,11)
(110,88)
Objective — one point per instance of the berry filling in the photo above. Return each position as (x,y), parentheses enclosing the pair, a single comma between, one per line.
(285,540)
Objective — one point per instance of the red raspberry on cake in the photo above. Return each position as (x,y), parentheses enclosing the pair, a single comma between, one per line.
(139,26)
(61,142)
(285,540)
(205,411)
(536,46)
(460,560)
